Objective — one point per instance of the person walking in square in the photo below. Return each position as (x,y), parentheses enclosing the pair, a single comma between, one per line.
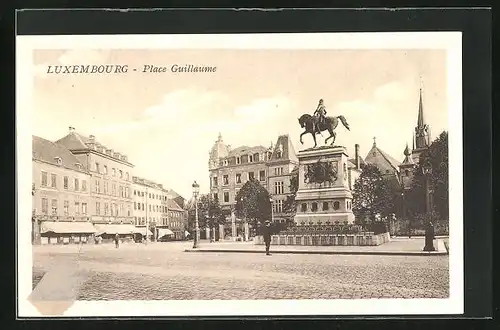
(267,236)
(117,241)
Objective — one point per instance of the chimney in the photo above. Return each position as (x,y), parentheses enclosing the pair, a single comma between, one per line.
(71,129)
(92,138)
(356,154)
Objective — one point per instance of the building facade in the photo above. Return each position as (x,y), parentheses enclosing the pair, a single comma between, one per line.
(155,210)
(110,184)
(272,167)
(61,195)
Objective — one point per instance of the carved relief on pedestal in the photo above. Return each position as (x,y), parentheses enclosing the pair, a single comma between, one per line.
(321,172)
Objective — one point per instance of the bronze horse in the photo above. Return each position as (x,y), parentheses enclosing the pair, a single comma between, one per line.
(329,123)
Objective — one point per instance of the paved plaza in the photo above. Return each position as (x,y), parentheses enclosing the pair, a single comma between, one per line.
(163,271)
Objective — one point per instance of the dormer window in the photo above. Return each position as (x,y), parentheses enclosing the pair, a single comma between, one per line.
(58,160)
(250,158)
(238,160)
(225,162)
(78,166)
(279,152)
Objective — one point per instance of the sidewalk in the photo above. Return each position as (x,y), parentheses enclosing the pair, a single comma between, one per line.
(397,246)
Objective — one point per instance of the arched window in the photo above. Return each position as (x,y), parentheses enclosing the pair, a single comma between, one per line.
(325,206)
(303,207)
(336,205)
(407,173)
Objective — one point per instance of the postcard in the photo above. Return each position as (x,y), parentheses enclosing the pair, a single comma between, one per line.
(239,174)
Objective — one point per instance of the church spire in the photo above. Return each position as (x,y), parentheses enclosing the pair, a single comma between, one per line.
(420,119)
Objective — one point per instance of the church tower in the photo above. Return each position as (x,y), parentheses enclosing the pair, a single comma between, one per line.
(219,150)
(406,169)
(422,139)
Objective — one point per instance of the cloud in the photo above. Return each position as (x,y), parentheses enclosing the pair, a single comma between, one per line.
(83,56)
(390,92)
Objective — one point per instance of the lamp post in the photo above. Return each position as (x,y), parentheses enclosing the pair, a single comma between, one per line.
(196,191)
(429,232)
(272,209)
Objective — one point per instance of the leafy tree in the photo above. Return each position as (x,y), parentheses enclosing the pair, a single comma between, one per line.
(209,212)
(372,194)
(437,156)
(290,205)
(253,203)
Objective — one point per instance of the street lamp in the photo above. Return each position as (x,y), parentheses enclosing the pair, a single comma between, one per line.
(272,209)
(427,171)
(196,191)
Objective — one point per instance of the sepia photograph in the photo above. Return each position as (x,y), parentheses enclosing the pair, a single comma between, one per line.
(183,175)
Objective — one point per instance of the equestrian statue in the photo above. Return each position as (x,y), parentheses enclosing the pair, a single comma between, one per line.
(319,122)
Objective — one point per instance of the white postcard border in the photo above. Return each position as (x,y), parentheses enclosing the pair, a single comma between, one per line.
(25,70)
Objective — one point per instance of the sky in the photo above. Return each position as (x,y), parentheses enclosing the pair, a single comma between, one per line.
(166,123)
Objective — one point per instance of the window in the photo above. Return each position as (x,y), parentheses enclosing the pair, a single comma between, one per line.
(53,180)
(238,177)
(143,206)
(314,206)
(97,186)
(54,207)
(113,171)
(45,205)
(121,174)
(407,173)
(238,160)
(84,208)
(66,207)
(98,208)
(336,205)
(256,157)
(216,196)
(149,208)
(226,197)
(262,175)
(225,162)
(278,171)
(226,179)
(278,187)
(128,210)
(105,187)
(84,185)
(112,209)
(113,189)
(65,182)
(77,185)
(303,207)
(121,191)
(106,208)
(126,176)
(278,206)
(105,170)
(215,181)
(251,175)
(77,208)
(97,168)
(325,206)
(149,195)
(250,158)
(44,179)
(135,192)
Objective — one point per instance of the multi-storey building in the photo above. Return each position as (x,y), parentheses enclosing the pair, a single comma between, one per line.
(154,209)
(271,167)
(110,185)
(61,199)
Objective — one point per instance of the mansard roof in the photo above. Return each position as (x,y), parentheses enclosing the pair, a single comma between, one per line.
(285,146)
(49,152)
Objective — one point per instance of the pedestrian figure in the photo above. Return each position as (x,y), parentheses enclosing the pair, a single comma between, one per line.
(267,236)
(117,241)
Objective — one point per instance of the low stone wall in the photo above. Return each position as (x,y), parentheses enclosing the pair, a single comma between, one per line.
(361,239)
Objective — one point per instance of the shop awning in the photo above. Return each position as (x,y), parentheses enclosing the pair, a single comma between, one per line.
(164,232)
(115,229)
(67,227)
(142,231)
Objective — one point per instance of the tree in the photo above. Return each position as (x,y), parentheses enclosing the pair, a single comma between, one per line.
(437,156)
(209,213)
(290,205)
(253,203)
(372,195)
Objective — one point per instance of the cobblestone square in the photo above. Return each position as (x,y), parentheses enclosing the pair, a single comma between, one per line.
(163,271)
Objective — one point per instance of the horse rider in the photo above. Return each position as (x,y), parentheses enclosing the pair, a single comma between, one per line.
(319,114)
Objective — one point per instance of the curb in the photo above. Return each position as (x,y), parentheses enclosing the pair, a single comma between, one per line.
(379,253)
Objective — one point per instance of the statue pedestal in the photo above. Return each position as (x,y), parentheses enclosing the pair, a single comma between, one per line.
(323,196)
